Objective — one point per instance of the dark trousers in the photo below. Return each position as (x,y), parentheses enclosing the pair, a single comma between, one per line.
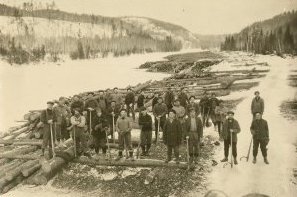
(100,143)
(162,122)
(47,137)
(220,125)
(125,140)
(227,144)
(175,149)
(130,109)
(194,146)
(145,138)
(263,144)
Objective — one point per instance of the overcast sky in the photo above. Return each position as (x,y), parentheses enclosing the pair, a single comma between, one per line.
(199,16)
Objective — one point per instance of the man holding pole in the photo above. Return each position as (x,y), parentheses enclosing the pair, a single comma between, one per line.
(145,122)
(230,130)
(159,111)
(48,118)
(260,132)
(113,113)
(124,128)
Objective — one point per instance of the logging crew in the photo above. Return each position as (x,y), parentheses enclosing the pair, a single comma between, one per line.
(113,113)
(257,105)
(194,132)
(260,132)
(48,118)
(63,118)
(204,106)
(78,123)
(172,136)
(102,101)
(230,127)
(145,123)
(183,97)
(124,128)
(100,132)
(77,103)
(130,102)
(220,116)
(193,105)
(159,111)
(169,98)
(180,116)
(90,105)
(213,103)
(140,99)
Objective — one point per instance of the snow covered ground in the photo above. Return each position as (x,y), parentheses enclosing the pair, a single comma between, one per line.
(273,179)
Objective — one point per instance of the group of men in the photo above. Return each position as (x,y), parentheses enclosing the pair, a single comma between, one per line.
(90,122)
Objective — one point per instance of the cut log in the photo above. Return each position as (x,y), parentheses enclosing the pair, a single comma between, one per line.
(19,151)
(13,173)
(29,171)
(16,133)
(129,163)
(4,161)
(12,165)
(12,184)
(28,142)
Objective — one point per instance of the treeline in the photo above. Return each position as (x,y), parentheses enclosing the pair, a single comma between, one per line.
(267,37)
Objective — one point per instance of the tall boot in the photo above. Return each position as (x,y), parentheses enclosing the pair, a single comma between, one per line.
(119,156)
(265,160)
(142,151)
(254,160)
(131,155)
(235,161)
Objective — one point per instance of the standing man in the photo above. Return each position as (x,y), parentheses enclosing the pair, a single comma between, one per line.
(124,128)
(257,104)
(220,116)
(204,106)
(108,97)
(183,97)
(90,106)
(63,115)
(172,136)
(180,115)
(99,132)
(213,103)
(129,102)
(117,97)
(145,123)
(76,103)
(78,123)
(113,113)
(260,132)
(194,132)
(48,118)
(155,99)
(140,99)
(230,127)
(193,105)
(102,101)
(169,98)
(159,111)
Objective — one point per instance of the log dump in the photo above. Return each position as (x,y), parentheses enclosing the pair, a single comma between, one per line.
(20,153)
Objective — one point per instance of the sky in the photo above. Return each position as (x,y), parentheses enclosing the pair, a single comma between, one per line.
(198,16)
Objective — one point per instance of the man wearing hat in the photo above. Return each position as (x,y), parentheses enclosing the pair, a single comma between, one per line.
(102,101)
(257,104)
(194,132)
(99,132)
(145,123)
(130,102)
(230,127)
(213,103)
(205,108)
(78,123)
(159,111)
(140,99)
(48,118)
(124,128)
(260,132)
(113,113)
(183,98)
(172,136)
(180,115)
(63,115)
(155,99)
(193,105)
(90,105)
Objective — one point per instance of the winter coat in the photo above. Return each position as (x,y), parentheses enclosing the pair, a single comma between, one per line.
(169,98)
(124,125)
(257,105)
(213,103)
(130,98)
(46,115)
(230,124)
(117,97)
(80,128)
(260,129)
(180,111)
(183,98)
(99,126)
(172,133)
(154,102)
(140,101)
(194,135)
(62,113)
(220,114)
(115,110)
(145,121)
(77,104)
(160,109)
(204,105)
(102,103)
(91,103)
(194,106)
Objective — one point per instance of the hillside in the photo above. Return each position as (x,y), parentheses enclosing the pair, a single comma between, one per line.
(84,36)
(278,34)
(210,41)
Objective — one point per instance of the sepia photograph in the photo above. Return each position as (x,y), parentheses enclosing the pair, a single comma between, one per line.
(148,98)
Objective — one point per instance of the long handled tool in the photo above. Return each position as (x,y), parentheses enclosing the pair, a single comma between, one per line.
(74,141)
(231,155)
(125,146)
(113,129)
(158,130)
(138,147)
(248,154)
(52,141)
(188,154)
(207,123)
(108,148)
(90,130)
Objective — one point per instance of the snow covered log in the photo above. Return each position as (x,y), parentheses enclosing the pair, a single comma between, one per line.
(136,163)
(29,171)
(13,173)
(19,151)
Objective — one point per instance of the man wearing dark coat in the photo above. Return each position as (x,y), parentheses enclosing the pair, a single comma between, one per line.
(230,127)
(193,105)
(90,105)
(260,132)
(140,100)
(130,102)
(145,123)
(99,132)
(48,118)
(213,103)
(159,111)
(205,108)
(257,104)
(113,113)
(169,98)
(172,136)
(183,97)
(76,104)
(194,132)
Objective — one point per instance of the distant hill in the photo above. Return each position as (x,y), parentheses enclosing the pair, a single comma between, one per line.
(210,41)
(61,32)
(278,34)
